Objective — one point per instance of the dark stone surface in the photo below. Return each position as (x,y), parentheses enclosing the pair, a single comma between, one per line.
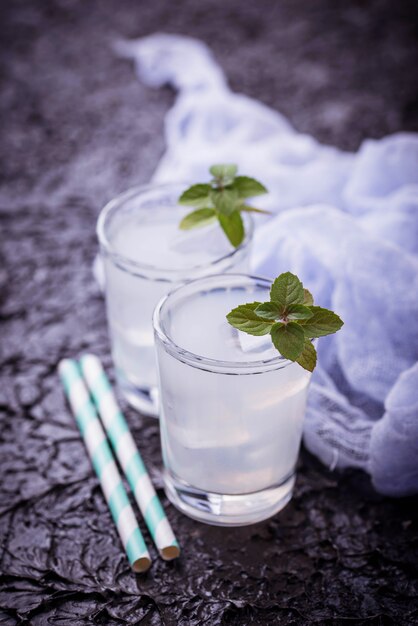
(77,127)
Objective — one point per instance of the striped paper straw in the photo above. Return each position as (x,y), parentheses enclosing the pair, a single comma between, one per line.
(129,458)
(104,465)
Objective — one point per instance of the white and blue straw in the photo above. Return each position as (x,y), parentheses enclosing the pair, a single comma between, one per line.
(129,457)
(104,465)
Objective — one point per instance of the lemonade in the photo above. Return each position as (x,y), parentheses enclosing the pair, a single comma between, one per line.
(231,407)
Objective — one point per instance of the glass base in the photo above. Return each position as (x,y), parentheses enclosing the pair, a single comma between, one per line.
(228,510)
(143,400)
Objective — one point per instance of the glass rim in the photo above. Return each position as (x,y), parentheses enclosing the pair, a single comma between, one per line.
(141,269)
(206,363)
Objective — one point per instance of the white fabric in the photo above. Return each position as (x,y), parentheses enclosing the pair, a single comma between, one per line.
(347,224)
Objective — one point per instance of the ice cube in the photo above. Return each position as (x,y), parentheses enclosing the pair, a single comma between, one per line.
(209,240)
(250,343)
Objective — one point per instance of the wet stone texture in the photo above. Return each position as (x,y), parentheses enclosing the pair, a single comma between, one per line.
(77,127)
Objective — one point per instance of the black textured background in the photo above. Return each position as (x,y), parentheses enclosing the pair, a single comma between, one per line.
(77,127)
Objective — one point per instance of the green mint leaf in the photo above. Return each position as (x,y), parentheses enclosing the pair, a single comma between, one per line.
(233,227)
(198,218)
(248,187)
(225,200)
(196,195)
(289,339)
(270,310)
(290,317)
(244,318)
(287,289)
(307,358)
(307,298)
(223,170)
(298,312)
(323,322)
(252,209)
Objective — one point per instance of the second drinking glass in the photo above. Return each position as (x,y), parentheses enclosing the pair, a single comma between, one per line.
(145,256)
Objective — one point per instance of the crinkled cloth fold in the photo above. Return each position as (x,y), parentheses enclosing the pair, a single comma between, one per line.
(347,224)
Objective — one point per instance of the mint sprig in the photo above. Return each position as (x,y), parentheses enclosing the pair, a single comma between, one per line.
(290,317)
(224,198)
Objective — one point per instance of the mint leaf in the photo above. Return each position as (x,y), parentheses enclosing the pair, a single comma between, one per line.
(289,339)
(233,227)
(275,311)
(196,195)
(248,187)
(223,170)
(270,310)
(252,209)
(307,358)
(307,297)
(323,322)
(198,218)
(225,200)
(290,317)
(244,318)
(225,194)
(298,312)
(287,289)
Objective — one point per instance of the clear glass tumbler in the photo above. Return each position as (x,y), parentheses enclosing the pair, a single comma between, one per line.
(145,255)
(232,408)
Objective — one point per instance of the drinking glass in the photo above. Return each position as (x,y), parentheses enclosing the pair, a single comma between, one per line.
(145,255)
(232,407)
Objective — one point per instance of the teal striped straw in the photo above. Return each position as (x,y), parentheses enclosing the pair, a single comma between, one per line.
(104,465)
(129,458)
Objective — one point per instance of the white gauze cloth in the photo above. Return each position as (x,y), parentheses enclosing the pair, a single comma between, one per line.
(346,223)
